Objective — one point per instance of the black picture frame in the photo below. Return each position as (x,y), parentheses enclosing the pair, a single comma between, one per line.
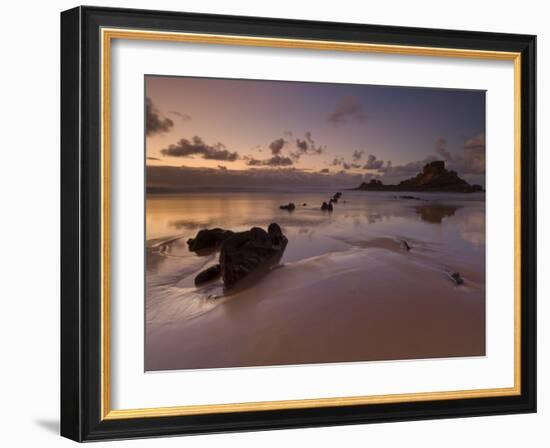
(81,208)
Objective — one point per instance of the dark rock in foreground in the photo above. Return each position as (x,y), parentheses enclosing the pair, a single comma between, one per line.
(290,207)
(252,251)
(208,239)
(433,178)
(212,273)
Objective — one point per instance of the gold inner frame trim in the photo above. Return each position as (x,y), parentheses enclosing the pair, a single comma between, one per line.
(107,35)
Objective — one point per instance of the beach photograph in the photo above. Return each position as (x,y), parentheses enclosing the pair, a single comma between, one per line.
(299,223)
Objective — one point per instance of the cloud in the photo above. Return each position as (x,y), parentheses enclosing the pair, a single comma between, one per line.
(477,142)
(357,155)
(346,111)
(184,117)
(196,146)
(251,161)
(279,161)
(349,166)
(391,174)
(441,149)
(274,161)
(373,163)
(340,161)
(277,146)
(155,123)
(471,162)
(301,144)
(306,146)
(406,170)
(474,154)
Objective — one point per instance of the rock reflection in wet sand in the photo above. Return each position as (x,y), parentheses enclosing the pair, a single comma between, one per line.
(435,213)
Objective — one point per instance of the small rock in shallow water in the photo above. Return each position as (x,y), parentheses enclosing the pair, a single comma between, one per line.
(290,206)
(212,273)
(327,207)
(457,278)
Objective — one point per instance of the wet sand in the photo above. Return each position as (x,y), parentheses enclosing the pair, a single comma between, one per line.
(346,289)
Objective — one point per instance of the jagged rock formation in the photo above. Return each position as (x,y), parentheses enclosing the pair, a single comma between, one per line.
(208,239)
(212,273)
(244,253)
(433,178)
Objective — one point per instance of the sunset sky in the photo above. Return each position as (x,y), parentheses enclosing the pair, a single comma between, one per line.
(307,132)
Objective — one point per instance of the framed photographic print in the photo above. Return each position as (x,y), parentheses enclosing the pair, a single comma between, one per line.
(273,223)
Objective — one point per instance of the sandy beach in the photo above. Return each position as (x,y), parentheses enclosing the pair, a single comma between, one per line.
(345,290)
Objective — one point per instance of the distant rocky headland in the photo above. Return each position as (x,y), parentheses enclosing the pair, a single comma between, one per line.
(433,178)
